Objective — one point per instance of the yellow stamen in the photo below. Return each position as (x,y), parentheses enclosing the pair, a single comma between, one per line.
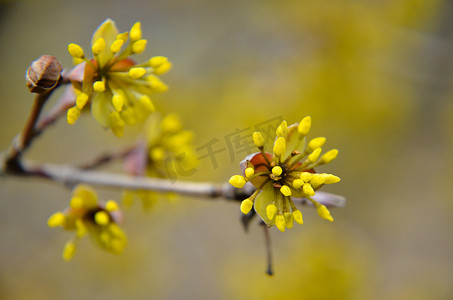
(258,139)
(280,146)
(316,180)
(271,210)
(163,68)
(329,179)
(324,213)
(76,203)
(146,103)
(139,46)
(285,190)
(118,102)
(111,206)
(297,214)
(316,143)
(249,172)
(73,115)
(136,73)
(313,157)
(69,250)
(99,86)
(329,156)
(157,61)
(289,219)
(280,223)
(308,190)
(75,51)
(304,126)
(98,46)
(305,176)
(297,183)
(246,206)
(102,218)
(282,129)
(237,181)
(135,32)
(116,45)
(57,219)
(81,100)
(277,170)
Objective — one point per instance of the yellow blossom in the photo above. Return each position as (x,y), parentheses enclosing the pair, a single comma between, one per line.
(287,174)
(112,81)
(87,215)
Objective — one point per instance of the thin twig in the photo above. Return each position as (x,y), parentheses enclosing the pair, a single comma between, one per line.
(267,239)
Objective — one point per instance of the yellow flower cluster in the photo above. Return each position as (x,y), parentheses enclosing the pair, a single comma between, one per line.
(169,152)
(288,172)
(87,215)
(115,86)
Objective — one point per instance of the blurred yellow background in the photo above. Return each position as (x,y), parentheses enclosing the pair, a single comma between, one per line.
(376,77)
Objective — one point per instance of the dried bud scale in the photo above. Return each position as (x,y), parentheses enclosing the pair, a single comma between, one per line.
(43,74)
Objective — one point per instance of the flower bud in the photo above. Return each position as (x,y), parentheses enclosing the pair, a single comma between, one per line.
(258,139)
(43,74)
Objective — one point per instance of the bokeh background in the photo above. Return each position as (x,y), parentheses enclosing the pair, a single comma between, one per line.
(376,77)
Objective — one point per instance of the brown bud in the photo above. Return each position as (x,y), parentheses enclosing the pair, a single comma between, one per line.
(43,74)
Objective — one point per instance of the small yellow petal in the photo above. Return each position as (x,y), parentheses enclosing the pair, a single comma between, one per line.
(280,146)
(57,219)
(136,73)
(285,190)
(249,172)
(304,126)
(98,46)
(73,115)
(316,143)
(99,86)
(271,210)
(324,213)
(136,32)
(258,139)
(139,46)
(297,214)
(246,206)
(102,218)
(75,51)
(277,170)
(280,223)
(237,181)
